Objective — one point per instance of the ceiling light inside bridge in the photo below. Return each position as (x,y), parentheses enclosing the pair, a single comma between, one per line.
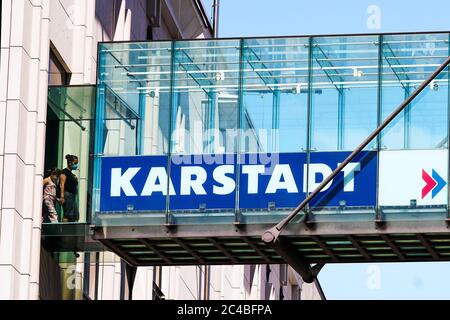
(357,73)
(220,76)
(434,86)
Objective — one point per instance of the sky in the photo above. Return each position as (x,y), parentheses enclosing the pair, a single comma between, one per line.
(299,17)
(247,18)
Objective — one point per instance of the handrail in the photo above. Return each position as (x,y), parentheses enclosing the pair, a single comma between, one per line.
(286,250)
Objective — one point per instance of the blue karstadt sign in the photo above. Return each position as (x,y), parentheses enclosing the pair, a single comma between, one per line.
(142,183)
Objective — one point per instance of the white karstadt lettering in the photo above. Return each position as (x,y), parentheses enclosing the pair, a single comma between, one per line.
(193,180)
(188,183)
(314,169)
(253,172)
(349,175)
(275,183)
(157,182)
(220,176)
(121,182)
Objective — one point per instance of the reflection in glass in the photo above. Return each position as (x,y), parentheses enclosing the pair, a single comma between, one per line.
(345,88)
(69,131)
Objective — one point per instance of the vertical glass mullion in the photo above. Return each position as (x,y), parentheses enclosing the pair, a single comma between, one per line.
(140,125)
(209,144)
(309,113)
(62,127)
(61,131)
(379,115)
(407,119)
(448,134)
(275,121)
(98,130)
(212,101)
(341,119)
(172,105)
(240,93)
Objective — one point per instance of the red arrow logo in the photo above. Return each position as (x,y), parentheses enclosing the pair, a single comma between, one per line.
(430,183)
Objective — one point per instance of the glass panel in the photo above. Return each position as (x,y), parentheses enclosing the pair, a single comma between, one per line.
(205,102)
(120,131)
(134,97)
(151,75)
(273,121)
(275,95)
(344,91)
(69,131)
(407,61)
(204,122)
(136,78)
(72,103)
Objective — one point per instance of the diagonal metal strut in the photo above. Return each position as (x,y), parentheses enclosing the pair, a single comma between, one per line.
(286,250)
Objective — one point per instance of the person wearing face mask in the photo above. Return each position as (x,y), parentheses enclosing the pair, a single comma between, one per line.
(49,213)
(69,188)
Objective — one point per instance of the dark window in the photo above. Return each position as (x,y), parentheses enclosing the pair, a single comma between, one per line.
(149,33)
(57,74)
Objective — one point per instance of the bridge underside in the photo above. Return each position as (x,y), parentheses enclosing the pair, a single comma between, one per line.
(324,242)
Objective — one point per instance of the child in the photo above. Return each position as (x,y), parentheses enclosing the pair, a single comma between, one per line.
(49,199)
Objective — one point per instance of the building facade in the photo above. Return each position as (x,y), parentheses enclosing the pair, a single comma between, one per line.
(48,73)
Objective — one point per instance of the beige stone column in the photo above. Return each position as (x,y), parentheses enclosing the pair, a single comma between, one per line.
(23,106)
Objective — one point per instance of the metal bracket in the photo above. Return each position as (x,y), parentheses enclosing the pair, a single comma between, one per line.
(380,222)
(447,219)
(237,218)
(293,257)
(238,224)
(307,220)
(169,225)
(317,268)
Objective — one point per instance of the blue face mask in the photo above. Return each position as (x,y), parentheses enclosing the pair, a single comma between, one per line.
(75,166)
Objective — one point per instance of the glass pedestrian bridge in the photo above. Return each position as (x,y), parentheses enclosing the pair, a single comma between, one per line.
(201,145)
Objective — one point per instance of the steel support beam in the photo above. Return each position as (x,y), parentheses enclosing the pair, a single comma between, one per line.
(324,248)
(189,250)
(292,230)
(360,249)
(125,256)
(393,246)
(292,256)
(130,273)
(156,251)
(258,250)
(224,250)
(429,248)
